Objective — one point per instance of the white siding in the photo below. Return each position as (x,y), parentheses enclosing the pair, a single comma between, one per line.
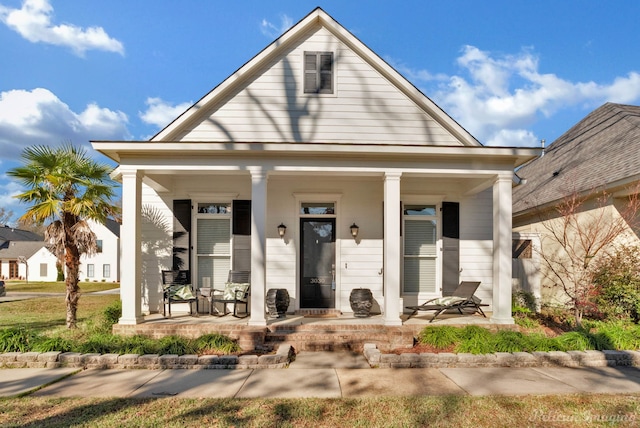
(42,256)
(157,246)
(360,267)
(476,242)
(365,107)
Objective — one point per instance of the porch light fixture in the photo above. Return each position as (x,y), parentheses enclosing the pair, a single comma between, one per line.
(282,229)
(354,230)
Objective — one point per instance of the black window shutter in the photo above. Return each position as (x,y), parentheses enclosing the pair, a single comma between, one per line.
(451,247)
(241,217)
(451,220)
(181,234)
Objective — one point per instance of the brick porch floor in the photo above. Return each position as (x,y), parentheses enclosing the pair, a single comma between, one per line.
(343,332)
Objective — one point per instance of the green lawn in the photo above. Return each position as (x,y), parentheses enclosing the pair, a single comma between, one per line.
(444,411)
(57,287)
(47,314)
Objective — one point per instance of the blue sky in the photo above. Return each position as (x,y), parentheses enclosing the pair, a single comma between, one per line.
(511,72)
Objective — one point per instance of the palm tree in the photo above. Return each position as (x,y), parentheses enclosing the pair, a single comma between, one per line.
(66,188)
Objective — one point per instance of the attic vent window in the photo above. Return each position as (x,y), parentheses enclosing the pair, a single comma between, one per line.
(318,72)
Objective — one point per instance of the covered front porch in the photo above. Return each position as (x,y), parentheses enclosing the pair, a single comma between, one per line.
(428,218)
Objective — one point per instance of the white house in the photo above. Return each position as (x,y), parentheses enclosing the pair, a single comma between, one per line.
(317,133)
(24,255)
(105,264)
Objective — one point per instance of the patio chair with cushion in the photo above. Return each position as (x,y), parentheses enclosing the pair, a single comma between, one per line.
(462,300)
(236,293)
(176,289)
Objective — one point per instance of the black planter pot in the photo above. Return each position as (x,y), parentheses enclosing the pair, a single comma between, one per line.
(277,302)
(361,300)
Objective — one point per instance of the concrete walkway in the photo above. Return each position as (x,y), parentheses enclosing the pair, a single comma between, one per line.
(319,374)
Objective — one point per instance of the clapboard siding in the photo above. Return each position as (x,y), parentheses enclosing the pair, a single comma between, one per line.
(365,108)
(476,242)
(157,246)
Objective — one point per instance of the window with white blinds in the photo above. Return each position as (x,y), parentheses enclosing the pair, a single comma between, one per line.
(213,251)
(420,249)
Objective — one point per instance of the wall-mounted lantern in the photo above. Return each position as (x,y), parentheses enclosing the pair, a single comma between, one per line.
(282,229)
(354,230)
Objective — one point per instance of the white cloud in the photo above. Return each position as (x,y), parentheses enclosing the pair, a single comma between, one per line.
(39,117)
(496,97)
(272,30)
(161,113)
(33,22)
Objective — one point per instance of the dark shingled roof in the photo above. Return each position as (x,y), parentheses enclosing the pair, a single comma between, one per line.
(12,234)
(601,150)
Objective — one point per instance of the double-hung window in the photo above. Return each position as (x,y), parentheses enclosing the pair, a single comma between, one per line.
(213,243)
(420,248)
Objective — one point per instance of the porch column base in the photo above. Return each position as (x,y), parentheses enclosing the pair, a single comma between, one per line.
(497,320)
(130,321)
(393,322)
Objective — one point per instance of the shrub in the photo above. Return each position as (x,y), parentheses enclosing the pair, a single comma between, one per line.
(175,345)
(113,312)
(475,340)
(100,343)
(49,344)
(16,339)
(512,341)
(617,285)
(440,337)
(214,344)
(138,344)
(575,341)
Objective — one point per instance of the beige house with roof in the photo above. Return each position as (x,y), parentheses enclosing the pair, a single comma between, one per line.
(600,153)
(318,134)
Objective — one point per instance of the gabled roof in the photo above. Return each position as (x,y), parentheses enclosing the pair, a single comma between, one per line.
(317,17)
(13,250)
(600,151)
(113,226)
(12,234)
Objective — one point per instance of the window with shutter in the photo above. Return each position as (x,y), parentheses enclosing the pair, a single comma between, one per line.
(213,244)
(318,72)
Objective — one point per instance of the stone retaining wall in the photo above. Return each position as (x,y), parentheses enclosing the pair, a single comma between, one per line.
(502,359)
(280,359)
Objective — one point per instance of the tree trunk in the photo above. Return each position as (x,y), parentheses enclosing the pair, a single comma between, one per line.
(72,262)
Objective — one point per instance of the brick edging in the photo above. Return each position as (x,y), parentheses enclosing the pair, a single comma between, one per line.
(280,359)
(502,359)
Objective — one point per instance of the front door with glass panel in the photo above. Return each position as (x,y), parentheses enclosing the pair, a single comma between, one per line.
(420,250)
(317,262)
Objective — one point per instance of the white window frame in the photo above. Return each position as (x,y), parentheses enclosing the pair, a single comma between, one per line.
(195,216)
(437,203)
(91,270)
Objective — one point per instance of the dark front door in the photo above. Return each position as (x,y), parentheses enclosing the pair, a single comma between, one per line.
(317,263)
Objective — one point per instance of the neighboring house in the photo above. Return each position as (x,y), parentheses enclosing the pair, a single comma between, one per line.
(105,264)
(319,134)
(18,246)
(601,152)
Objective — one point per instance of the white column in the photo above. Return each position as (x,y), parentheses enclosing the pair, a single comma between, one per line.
(392,249)
(131,264)
(502,212)
(258,246)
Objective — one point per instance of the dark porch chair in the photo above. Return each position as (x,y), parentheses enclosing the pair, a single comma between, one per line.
(462,300)
(176,288)
(236,293)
